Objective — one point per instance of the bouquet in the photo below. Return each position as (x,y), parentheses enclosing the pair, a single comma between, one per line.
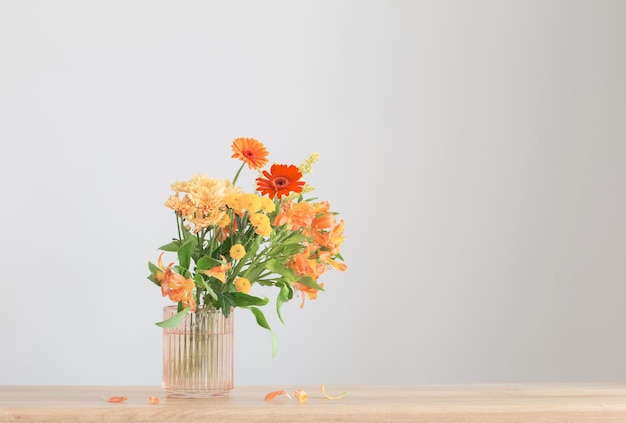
(229,240)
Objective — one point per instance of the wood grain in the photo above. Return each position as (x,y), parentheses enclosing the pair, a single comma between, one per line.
(482,403)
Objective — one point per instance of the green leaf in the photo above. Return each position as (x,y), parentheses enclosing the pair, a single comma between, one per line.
(153,267)
(172,246)
(261,321)
(206,262)
(175,320)
(260,318)
(274,266)
(199,280)
(184,252)
(294,239)
(284,295)
(153,280)
(245,300)
(225,302)
(310,282)
(252,273)
(187,234)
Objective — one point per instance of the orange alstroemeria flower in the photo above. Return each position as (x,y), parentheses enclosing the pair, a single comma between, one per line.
(179,289)
(280,180)
(325,256)
(161,274)
(219,272)
(310,292)
(174,285)
(303,265)
(250,151)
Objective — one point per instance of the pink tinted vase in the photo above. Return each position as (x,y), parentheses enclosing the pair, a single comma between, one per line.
(198,354)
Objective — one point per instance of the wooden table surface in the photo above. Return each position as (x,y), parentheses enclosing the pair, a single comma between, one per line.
(363,403)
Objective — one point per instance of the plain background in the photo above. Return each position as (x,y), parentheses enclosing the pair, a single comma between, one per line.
(475,149)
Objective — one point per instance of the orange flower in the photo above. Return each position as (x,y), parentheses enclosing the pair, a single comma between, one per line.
(299,215)
(178,289)
(250,151)
(305,263)
(159,275)
(310,292)
(325,256)
(117,399)
(270,396)
(281,180)
(219,272)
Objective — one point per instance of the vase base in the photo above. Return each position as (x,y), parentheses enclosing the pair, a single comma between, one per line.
(197,394)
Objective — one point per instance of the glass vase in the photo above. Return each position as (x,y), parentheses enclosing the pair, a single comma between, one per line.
(198,354)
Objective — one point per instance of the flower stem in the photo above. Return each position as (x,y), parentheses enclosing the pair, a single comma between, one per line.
(179,223)
(237,174)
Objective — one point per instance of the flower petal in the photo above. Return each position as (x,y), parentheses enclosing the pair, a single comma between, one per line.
(117,399)
(328,396)
(301,396)
(153,400)
(270,396)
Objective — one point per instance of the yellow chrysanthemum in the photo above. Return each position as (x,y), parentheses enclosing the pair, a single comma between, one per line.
(224,221)
(237,251)
(251,202)
(263,230)
(259,219)
(234,201)
(242,285)
(267,205)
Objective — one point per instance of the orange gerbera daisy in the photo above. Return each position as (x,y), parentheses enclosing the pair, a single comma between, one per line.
(281,180)
(250,151)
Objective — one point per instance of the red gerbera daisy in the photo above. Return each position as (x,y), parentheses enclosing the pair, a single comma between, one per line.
(250,151)
(281,180)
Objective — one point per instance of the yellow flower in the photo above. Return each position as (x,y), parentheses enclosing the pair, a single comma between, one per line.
(224,221)
(264,230)
(308,188)
(251,202)
(233,200)
(259,219)
(237,251)
(301,396)
(242,285)
(307,166)
(267,204)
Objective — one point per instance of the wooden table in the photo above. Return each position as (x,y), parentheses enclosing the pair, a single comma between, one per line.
(481,403)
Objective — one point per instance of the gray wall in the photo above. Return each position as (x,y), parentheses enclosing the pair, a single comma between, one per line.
(476,150)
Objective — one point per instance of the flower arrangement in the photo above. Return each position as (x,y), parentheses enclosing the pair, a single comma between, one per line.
(228,240)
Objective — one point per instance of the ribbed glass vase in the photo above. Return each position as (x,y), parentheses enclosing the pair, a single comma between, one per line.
(198,354)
